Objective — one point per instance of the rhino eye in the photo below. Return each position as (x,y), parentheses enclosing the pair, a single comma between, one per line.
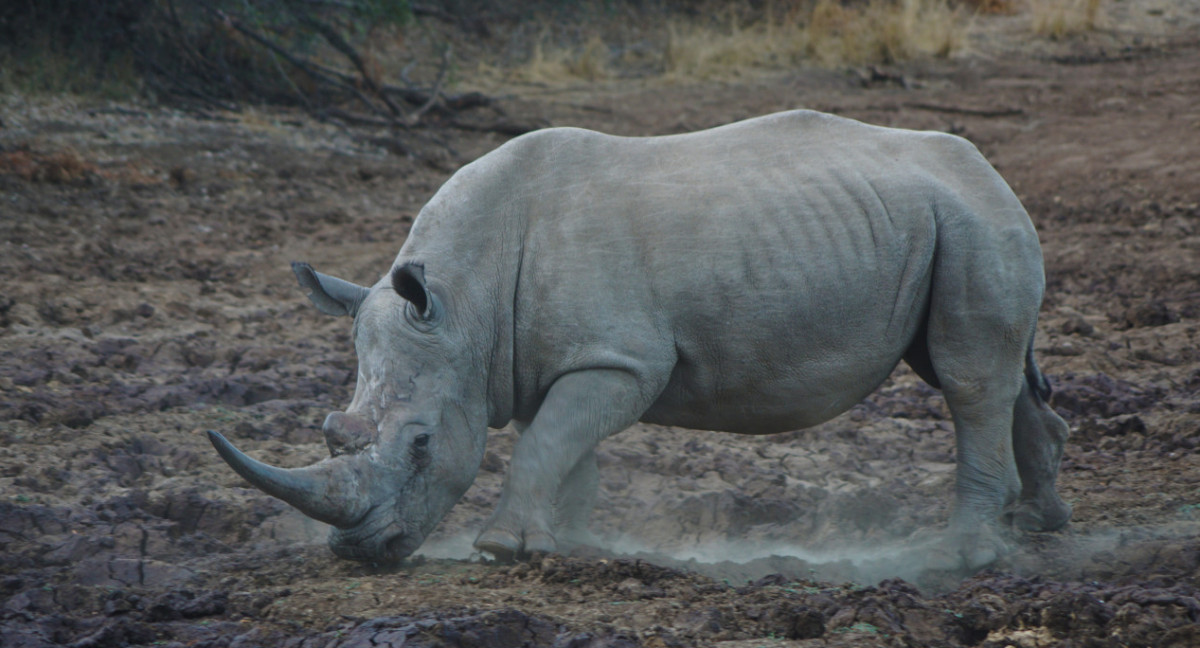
(418,452)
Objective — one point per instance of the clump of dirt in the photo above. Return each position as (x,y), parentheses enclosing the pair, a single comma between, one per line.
(60,167)
(147,298)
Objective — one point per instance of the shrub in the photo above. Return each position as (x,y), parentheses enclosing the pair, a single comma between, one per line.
(1061,18)
(209,49)
(827,32)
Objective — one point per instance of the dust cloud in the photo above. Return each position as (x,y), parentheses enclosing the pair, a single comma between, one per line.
(912,559)
(738,561)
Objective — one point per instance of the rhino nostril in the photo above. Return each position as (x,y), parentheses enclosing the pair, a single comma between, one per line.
(346,433)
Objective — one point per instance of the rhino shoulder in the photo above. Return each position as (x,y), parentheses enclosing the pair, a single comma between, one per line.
(529,156)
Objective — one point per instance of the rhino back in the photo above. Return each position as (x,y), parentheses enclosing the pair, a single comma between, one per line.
(760,276)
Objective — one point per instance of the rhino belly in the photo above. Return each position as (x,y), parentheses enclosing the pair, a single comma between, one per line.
(766,399)
(770,365)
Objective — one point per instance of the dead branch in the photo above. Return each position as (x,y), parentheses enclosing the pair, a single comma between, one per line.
(181,87)
(502,127)
(343,82)
(393,145)
(437,88)
(415,97)
(432,12)
(974,112)
(470,100)
(354,119)
(349,92)
(337,42)
(416,9)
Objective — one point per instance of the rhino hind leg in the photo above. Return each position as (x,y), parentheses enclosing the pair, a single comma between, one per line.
(580,410)
(986,291)
(1038,438)
(985,462)
(917,358)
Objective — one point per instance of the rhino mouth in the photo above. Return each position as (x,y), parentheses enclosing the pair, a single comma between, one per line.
(342,491)
(376,539)
(389,550)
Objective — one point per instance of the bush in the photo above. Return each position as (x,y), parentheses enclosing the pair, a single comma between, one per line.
(69,45)
(208,49)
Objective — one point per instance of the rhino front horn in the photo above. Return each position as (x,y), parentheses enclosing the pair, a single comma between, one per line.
(326,491)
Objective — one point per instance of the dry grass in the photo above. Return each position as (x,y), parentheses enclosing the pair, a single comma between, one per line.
(786,34)
(549,63)
(884,31)
(1062,18)
(61,167)
(695,50)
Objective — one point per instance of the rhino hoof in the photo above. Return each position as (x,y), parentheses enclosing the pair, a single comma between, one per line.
(979,557)
(962,560)
(504,545)
(959,552)
(1028,516)
(539,542)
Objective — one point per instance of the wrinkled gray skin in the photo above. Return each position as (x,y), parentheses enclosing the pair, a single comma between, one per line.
(754,278)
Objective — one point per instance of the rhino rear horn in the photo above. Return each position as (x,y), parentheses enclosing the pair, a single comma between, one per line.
(326,491)
(332,296)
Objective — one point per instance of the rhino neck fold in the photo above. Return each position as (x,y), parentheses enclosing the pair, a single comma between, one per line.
(471,219)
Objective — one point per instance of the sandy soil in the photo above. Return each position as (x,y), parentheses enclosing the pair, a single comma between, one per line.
(147,297)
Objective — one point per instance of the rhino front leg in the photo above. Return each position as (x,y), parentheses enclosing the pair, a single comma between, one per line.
(580,410)
(575,501)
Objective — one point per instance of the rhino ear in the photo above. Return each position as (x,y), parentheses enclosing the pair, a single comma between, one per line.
(332,296)
(408,281)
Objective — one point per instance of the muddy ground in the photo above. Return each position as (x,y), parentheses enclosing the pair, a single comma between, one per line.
(146,297)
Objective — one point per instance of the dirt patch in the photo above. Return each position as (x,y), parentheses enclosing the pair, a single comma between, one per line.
(147,298)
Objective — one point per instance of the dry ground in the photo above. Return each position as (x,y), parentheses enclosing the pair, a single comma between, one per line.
(147,297)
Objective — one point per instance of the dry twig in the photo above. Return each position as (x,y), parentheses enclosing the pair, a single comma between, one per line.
(974,112)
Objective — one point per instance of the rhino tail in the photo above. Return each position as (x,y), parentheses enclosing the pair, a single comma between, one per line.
(1034,376)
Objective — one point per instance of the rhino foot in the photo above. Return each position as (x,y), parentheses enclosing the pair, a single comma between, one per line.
(507,546)
(963,552)
(978,555)
(569,540)
(1035,515)
(504,545)
(539,542)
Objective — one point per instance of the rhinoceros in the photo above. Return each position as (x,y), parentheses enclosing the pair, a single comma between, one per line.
(755,278)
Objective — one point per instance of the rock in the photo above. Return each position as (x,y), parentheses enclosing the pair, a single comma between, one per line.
(1075,324)
(1149,313)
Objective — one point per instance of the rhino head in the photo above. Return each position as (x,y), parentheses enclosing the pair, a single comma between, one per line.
(411,441)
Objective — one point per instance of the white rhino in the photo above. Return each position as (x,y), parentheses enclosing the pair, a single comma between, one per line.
(755,278)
